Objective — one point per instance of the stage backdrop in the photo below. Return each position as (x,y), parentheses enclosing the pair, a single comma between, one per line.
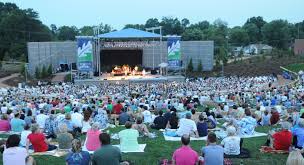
(85,54)
(174,53)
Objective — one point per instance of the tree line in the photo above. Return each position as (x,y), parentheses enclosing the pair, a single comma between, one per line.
(18,26)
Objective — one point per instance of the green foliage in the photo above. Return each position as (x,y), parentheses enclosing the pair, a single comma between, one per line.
(50,70)
(238,36)
(200,66)
(67,33)
(67,77)
(296,67)
(37,73)
(190,66)
(192,35)
(43,73)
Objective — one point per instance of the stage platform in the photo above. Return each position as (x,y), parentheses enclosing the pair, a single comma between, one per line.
(107,78)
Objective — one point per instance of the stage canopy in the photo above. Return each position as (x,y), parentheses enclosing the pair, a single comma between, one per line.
(129,33)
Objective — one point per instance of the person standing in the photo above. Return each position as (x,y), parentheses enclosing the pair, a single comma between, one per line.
(185,155)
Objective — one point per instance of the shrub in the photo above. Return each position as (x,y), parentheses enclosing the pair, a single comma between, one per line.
(50,70)
(37,72)
(43,73)
(200,66)
(190,66)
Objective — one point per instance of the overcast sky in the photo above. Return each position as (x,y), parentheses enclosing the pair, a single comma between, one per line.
(120,12)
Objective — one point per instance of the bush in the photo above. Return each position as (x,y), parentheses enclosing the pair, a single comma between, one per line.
(50,70)
(190,66)
(37,73)
(43,73)
(200,66)
(67,77)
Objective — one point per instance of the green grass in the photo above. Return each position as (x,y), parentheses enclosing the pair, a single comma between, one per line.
(296,67)
(158,149)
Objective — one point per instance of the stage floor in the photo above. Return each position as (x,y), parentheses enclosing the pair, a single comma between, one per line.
(115,79)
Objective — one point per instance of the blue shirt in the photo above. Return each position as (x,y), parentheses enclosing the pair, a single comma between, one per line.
(82,158)
(213,155)
(17,125)
(299,132)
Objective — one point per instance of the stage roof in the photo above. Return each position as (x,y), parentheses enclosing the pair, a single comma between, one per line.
(129,33)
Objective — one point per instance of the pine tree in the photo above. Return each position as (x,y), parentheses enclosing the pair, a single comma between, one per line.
(50,70)
(200,66)
(43,73)
(190,66)
(37,73)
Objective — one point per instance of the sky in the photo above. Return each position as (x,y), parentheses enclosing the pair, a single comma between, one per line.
(117,13)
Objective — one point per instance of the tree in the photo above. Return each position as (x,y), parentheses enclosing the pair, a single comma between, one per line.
(259,23)
(238,36)
(152,22)
(43,73)
(37,72)
(171,26)
(185,22)
(50,70)
(192,35)
(87,31)
(252,32)
(200,66)
(67,33)
(277,33)
(135,26)
(222,55)
(190,66)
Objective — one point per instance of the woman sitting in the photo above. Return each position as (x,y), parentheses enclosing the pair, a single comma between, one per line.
(298,134)
(247,124)
(4,123)
(173,121)
(77,156)
(29,119)
(202,126)
(231,143)
(38,141)
(24,135)
(92,140)
(140,127)
(86,123)
(13,154)
(64,138)
(265,120)
(282,139)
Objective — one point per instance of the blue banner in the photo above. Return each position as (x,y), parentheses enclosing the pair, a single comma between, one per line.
(84,54)
(174,53)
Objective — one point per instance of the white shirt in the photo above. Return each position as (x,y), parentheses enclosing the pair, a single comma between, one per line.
(77,119)
(3,110)
(41,120)
(14,155)
(147,116)
(23,138)
(231,145)
(186,126)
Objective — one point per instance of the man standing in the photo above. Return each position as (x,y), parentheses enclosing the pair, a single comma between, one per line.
(107,154)
(185,155)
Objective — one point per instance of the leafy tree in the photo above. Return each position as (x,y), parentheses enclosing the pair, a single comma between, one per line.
(200,66)
(43,73)
(223,56)
(252,31)
(86,31)
(152,22)
(135,26)
(190,66)
(192,35)
(202,25)
(185,22)
(171,26)
(277,33)
(67,33)
(50,70)
(37,72)
(238,36)
(259,23)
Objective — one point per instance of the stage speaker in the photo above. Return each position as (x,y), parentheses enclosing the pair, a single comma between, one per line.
(153,72)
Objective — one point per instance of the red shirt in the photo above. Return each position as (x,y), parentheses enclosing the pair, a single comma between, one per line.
(282,140)
(275,117)
(117,108)
(37,140)
(5,125)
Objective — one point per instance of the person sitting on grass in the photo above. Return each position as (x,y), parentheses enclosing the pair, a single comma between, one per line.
(202,125)
(187,126)
(213,154)
(159,122)
(17,125)
(124,117)
(275,116)
(185,155)
(64,138)
(265,120)
(140,127)
(298,134)
(173,121)
(295,158)
(38,141)
(128,138)
(92,140)
(231,143)
(24,135)
(77,156)
(247,123)
(4,123)
(281,140)
(13,154)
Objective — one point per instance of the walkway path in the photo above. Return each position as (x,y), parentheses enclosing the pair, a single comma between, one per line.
(59,77)
(2,84)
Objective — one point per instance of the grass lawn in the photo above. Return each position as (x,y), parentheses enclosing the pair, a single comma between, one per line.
(158,149)
(296,67)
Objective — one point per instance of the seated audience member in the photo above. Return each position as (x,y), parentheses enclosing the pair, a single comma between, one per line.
(275,116)
(295,158)
(194,115)
(92,140)
(17,125)
(247,124)
(29,160)
(147,115)
(24,135)
(282,139)
(50,127)
(29,119)
(64,138)
(38,141)
(265,120)
(213,153)
(102,119)
(86,123)
(231,143)
(77,156)
(185,155)
(173,121)
(298,134)
(159,122)
(4,123)
(202,126)
(187,126)
(67,120)
(140,127)
(128,138)
(168,115)
(124,117)
(13,154)
(107,154)
(41,118)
